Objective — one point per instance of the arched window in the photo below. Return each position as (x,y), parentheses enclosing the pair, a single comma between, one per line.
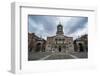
(55,46)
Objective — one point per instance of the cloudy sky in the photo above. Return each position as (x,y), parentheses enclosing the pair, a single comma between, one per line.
(44,26)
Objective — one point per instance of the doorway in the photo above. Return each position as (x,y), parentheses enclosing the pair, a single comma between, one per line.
(81,49)
(59,48)
(38,47)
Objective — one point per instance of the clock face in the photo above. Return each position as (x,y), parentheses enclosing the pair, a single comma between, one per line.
(59,28)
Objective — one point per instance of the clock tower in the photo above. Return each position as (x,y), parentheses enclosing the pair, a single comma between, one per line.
(59,29)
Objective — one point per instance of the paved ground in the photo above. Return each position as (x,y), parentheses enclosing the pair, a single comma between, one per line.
(53,56)
(37,55)
(80,54)
(59,56)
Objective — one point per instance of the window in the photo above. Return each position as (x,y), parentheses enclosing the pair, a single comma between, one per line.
(69,42)
(63,40)
(55,46)
(64,46)
(56,41)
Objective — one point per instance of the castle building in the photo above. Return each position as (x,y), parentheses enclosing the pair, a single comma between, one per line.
(35,43)
(59,42)
(81,44)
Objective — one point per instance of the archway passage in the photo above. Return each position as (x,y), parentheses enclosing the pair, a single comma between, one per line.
(30,49)
(81,49)
(38,47)
(59,48)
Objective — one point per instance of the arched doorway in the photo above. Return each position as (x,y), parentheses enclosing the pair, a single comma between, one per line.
(38,47)
(30,49)
(81,49)
(59,48)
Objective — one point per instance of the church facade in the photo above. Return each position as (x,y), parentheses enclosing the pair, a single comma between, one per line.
(59,42)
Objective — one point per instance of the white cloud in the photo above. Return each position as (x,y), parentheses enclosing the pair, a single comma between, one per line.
(46,25)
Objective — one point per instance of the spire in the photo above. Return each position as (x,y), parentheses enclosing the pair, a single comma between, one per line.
(59,29)
(60,22)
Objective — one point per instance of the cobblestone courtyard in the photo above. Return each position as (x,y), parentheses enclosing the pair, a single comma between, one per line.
(53,56)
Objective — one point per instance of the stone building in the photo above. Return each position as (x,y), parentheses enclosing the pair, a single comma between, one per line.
(59,42)
(81,44)
(35,43)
